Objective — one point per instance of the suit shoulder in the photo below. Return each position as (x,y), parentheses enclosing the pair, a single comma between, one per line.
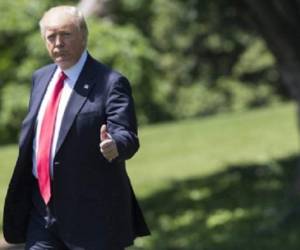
(43,70)
(110,74)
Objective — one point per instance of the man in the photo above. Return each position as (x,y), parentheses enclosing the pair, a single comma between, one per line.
(69,189)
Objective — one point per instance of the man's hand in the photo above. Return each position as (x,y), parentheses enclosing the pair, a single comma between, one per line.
(108,146)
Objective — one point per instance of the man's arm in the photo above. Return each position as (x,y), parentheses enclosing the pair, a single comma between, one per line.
(119,138)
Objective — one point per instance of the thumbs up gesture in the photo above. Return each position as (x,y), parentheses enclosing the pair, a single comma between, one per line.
(108,146)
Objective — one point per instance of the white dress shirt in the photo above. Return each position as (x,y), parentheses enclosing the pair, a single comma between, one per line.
(69,83)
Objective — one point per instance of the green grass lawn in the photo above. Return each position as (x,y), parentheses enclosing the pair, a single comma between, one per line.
(213,183)
(176,151)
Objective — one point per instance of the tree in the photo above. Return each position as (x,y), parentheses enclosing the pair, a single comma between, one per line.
(205,62)
(278,23)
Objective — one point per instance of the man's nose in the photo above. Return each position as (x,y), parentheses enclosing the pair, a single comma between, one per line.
(59,42)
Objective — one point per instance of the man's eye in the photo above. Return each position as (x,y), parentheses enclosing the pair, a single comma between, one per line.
(50,37)
(66,34)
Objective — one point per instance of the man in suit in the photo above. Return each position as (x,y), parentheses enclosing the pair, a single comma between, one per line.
(70,189)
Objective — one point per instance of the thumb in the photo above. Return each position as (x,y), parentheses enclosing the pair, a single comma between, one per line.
(103,133)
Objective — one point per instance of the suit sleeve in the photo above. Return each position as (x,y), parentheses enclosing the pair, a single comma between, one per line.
(121,118)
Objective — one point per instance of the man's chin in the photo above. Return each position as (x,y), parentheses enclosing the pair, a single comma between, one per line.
(63,64)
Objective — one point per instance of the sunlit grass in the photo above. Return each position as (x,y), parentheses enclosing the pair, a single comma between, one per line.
(175,151)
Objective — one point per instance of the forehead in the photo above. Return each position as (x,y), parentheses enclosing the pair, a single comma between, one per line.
(60,28)
(59,21)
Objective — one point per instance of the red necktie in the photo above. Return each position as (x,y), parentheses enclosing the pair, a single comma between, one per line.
(45,140)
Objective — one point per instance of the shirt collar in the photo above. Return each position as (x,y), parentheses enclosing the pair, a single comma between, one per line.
(73,72)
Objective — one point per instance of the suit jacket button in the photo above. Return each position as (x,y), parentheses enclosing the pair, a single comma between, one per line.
(56,163)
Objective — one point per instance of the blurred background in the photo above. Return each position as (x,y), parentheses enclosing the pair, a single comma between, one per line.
(217,89)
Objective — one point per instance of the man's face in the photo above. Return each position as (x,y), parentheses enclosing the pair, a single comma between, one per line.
(64,41)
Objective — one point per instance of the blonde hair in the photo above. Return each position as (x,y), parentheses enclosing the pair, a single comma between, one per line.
(77,18)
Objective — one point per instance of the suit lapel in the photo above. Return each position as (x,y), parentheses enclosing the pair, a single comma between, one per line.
(82,88)
(39,90)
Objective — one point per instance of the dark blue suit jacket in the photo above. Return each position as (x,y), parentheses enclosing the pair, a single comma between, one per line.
(94,202)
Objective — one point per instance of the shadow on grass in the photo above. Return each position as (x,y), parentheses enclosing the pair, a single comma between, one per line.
(245,207)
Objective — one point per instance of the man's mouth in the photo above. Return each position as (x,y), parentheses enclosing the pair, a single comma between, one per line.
(60,56)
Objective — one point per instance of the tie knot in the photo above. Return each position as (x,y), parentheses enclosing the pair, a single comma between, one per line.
(62,76)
